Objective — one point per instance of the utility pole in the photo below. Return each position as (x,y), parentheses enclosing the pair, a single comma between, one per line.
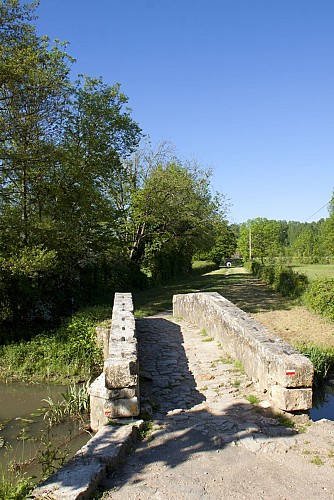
(250,243)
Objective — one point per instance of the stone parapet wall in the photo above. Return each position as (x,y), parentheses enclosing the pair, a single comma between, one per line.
(115,393)
(278,369)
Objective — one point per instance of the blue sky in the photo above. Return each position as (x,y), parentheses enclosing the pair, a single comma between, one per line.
(246,87)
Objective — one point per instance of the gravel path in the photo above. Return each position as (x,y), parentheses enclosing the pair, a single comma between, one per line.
(208,441)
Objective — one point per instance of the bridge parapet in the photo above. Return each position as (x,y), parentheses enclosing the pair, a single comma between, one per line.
(115,393)
(278,369)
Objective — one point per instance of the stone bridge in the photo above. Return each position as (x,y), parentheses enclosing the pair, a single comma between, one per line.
(279,371)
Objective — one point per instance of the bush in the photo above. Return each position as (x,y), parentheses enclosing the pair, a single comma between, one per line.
(289,283)
(281,278)
(320,297)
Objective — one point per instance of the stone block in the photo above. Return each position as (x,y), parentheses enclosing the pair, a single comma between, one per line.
(76,479)
(295,399)
(98,389)
(110,442)
(121,372)
(120,408)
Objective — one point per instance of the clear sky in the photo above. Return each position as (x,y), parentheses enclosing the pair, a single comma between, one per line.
(244,86)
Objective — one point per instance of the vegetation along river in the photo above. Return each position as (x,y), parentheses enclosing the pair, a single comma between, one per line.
(28,444)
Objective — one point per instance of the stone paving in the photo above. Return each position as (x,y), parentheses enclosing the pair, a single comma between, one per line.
(207,439)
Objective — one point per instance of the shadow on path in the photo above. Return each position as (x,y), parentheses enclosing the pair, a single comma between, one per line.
(248,293)
(186,426)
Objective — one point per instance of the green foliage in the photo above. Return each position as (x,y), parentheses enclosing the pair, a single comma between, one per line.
(61,146)
(173,217)
(253,399)
(69,353)
(305,247)
(75,402)
(282,279)
(81,209)
(322,359)
(320,297)
(261,238)
(201,267)
(14,488)
(51,457)
(224,244)
(284,421)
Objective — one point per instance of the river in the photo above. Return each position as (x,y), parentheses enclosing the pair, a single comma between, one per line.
(25,439)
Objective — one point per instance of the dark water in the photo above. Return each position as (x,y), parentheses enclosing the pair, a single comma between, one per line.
(323,403)
(24,433)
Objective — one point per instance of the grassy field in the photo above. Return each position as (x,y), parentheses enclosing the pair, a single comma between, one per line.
(314,271)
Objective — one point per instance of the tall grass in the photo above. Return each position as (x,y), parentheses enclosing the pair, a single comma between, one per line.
(12,488)
(75,402)
(68,354)
(322,359)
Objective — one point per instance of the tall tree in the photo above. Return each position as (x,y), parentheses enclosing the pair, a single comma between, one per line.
(34,87)
(260,238)
(173,216)
(327,232)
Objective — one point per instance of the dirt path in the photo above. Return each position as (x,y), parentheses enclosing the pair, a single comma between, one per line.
(208,440)
(295,324)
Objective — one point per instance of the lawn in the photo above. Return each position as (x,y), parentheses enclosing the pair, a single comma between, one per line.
(314,271)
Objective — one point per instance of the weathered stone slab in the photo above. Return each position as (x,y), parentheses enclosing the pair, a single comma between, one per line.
(268,359)
(292,399)
(76,479)
(121,372)
(99,390)
(80,476)
(120,408)
(110,442)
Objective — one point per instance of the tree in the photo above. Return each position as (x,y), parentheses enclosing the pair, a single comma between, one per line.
(173,215)
(224,245)
(61,152)
(98,136)
(264,236)
(34,88)
(305,247)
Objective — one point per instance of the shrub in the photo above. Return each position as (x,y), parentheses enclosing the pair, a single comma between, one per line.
(320,297)
(289,283)
(282,278)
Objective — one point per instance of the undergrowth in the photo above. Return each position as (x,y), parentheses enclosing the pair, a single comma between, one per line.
(68,354)
(322,359)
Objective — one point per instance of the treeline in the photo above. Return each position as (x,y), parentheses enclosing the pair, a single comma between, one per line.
(307,242)
(84,208)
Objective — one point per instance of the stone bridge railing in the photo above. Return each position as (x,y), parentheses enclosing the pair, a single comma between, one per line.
(115,393)
(278,369)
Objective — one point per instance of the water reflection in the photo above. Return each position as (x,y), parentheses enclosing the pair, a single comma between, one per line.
(323,403)
(25,439)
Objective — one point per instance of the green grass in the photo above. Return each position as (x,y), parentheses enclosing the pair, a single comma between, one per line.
(284,421)
(66,355)
(239,367)
(314,271)
(253,399)
(317,461)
